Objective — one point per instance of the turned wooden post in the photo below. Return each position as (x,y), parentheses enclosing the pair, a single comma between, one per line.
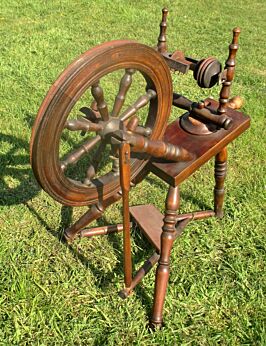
(221,158)
(220,168)
(161,45)
(124,168)
(230,72)
(163,269)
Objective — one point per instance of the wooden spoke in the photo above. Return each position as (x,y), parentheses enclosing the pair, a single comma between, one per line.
(94,163)
(141,102)
(88,74)
(115,166)
(80,152)
(132,126)
(90,114)
(143,131)
(115,158)
(125,84)
(97,93)
(132,123)
(82,124)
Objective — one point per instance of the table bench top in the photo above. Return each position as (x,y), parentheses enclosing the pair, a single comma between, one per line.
(203,147)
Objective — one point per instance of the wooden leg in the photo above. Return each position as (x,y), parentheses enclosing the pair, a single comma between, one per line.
(144,270)
(219,174)
(94,213)
(167,239)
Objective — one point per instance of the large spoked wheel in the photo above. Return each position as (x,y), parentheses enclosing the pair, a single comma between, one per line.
(73,155)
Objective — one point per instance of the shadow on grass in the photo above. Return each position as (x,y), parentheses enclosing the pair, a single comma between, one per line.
(140,254)
(17,183)
(103,281)
(66,217)
(18,186)
(27,189)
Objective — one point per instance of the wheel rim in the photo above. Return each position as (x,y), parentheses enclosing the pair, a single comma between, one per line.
(81,75)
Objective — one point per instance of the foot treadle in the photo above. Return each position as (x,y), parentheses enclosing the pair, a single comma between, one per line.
(150,221)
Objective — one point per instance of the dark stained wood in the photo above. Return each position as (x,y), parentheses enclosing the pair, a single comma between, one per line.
(216,126)
(169,234)
(124,86)
(115,165)
(91,171)
(133,123)
(97,93)
(230,67)
(92,214)
(207,72)
(163,269)
(82,124)
(77,154)
(200,111)
(142,101)
(159,230)
(159,149)
(143,131)
(102,230)
(220,167)
(144,270)
(124,169)
(90,113)
(161,45)
(203,147)
(200,120)
(83,73)
(196,215)
(150,221)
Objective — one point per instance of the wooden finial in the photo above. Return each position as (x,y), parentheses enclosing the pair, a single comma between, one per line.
(230,67)
(161,45)
(236,33)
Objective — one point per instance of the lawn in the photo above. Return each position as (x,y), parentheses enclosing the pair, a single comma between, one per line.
(54,294)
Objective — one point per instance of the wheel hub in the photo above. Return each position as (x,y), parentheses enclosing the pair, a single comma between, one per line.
(110,127)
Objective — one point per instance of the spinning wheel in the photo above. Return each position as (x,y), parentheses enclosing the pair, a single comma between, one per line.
(100,121)
(88,148)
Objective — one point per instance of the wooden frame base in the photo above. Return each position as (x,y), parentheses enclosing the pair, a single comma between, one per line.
(155,227)
(162,230)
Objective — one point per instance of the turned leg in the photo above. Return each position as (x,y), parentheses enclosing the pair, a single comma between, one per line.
(162,272)
(94,213)
(219,174)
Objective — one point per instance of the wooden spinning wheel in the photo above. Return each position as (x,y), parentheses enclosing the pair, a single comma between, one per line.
(86,73)
(120,136)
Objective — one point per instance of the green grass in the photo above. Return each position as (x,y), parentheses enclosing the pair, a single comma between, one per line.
(51,294)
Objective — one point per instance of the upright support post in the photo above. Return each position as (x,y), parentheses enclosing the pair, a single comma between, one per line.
(167,239)
(124,165)
(161,45)
(220,168)
(230,68)
(221,158)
